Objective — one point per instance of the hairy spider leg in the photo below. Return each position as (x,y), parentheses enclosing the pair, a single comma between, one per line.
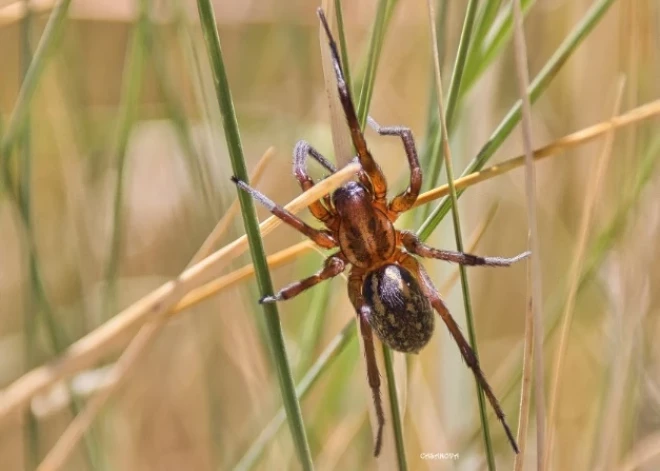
(409,262)
(413,245)
(405,200)
(321,238)
(355,281)
(301,152)
(333,266)
(369,165)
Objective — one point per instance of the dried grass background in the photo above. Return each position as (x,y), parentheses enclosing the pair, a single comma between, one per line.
(205,389)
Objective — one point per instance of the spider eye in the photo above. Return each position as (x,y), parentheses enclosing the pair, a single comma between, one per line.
(401,315)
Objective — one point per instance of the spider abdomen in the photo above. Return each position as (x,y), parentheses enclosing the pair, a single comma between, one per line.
(401,315)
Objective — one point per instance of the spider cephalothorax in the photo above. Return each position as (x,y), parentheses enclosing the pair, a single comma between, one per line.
(389,289)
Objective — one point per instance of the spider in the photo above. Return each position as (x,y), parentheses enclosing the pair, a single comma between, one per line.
(391,292)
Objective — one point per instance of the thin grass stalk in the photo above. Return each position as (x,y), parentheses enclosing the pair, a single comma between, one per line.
(373,57)
(287,386)
(430,150)
(132,84)
(454,84)
(487,53)
(485,20)
(343,48)
(535,296)
(490,456)
(47,43)
(154,43)
(593,191)
(538,86)
(397,422)
(30,321)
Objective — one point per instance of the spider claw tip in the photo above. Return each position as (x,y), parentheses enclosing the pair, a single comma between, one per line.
(268,299)
(235,179)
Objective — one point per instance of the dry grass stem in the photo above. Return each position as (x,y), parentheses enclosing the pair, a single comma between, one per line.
(534,335)
(593,192)
(575,139)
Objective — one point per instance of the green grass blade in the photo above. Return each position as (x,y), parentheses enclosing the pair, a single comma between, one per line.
(483,58)
(343,48)
(325,360)
(537,87)
(430,150)
(397,422)
(485,20)
(155,46)
(47,43)
(383,15)
(287,387)
(454,84)
(130,98)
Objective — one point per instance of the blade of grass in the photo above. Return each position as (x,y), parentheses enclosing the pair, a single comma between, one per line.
(538,86)
(47,43)
(383,15)
(342,42)
(287,387)
(155,42)
(485,54)
(130,98)
(534,287)
(454,85)
(457,231)
(430,150)
(30,321)
(397,421)
(593,191)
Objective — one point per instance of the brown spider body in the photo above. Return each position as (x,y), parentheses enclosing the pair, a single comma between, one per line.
(391,292)
(366,235)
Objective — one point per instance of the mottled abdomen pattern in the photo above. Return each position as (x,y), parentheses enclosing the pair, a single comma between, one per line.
(401,315)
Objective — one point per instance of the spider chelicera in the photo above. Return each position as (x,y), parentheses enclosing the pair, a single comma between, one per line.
(391,292)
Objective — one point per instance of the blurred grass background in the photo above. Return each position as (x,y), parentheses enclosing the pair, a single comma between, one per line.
(122,170)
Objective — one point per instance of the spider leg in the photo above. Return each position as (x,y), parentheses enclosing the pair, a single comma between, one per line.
(333,266)
(413,245)
(303,150)
(468,354)
(367,161)
(373,375)
(404,201)
(320,237)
